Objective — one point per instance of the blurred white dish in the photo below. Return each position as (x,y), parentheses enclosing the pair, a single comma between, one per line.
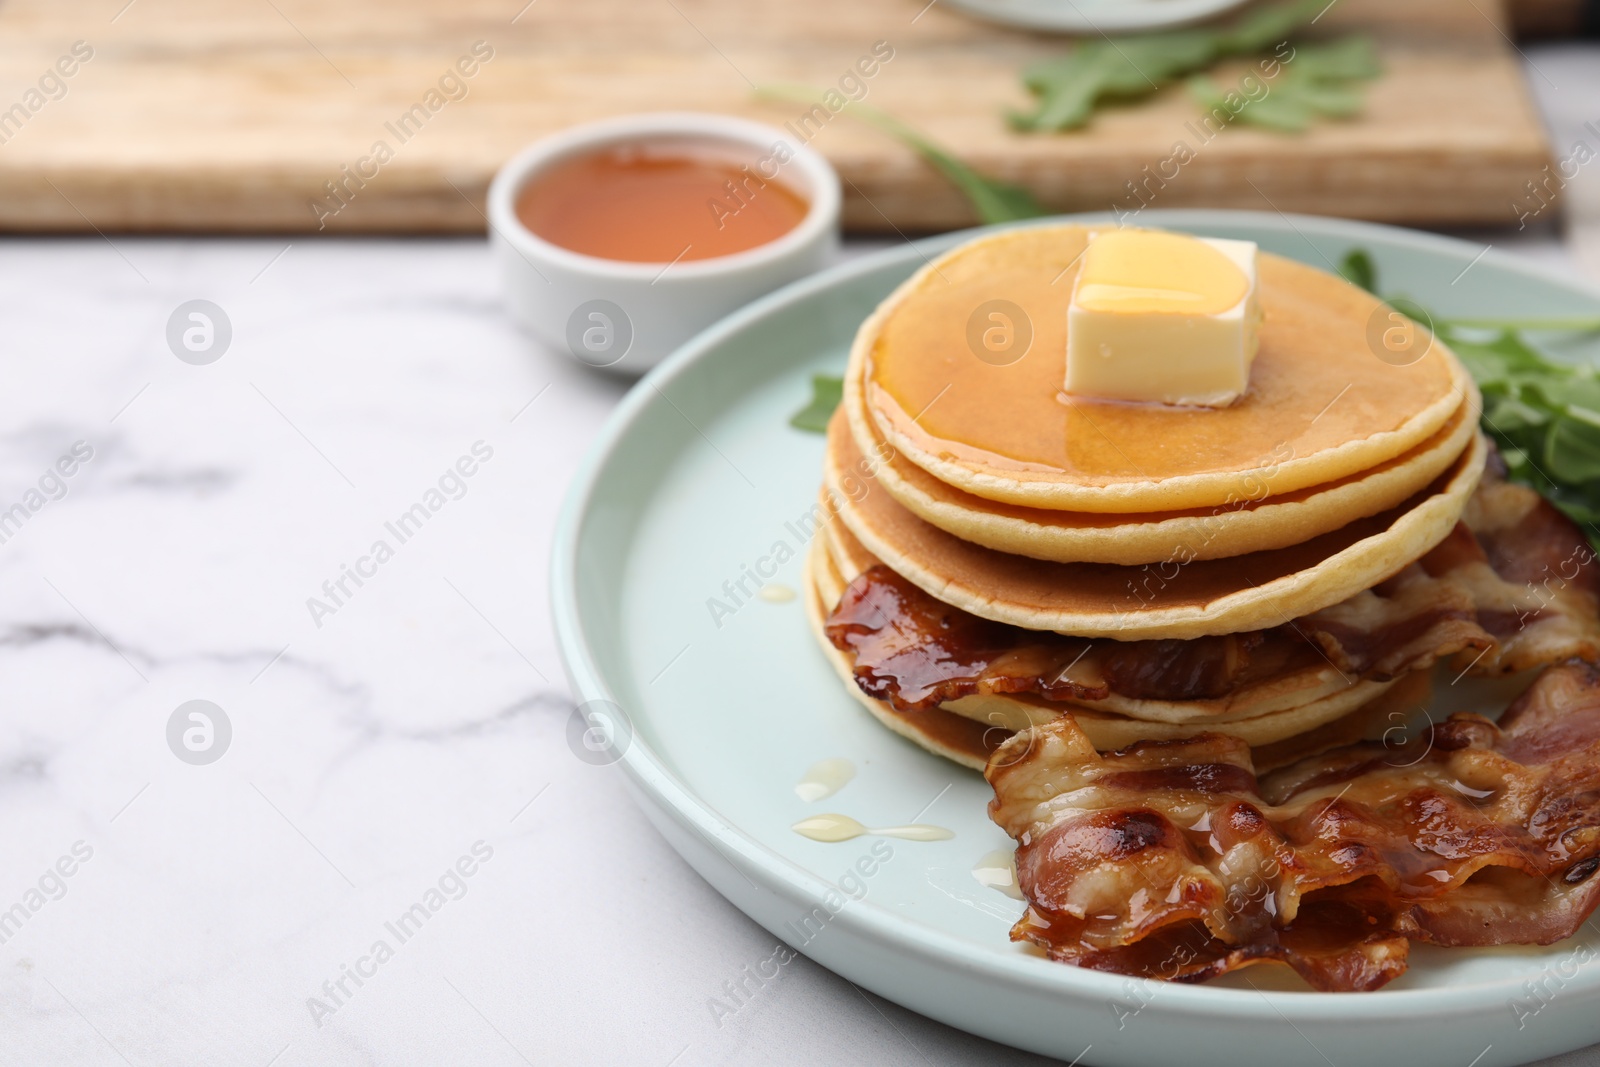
(626,316)
(1094,16)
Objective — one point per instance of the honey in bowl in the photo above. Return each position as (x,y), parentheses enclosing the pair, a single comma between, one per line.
(661,202)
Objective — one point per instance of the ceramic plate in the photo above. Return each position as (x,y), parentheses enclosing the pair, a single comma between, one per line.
(1094,16)
(717,702)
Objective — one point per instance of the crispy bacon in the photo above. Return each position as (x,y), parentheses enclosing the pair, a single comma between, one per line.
(1173,860)
(1516,585)
(917,653)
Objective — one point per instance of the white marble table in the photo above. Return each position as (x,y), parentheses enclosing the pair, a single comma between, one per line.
(413,730)
(370,753)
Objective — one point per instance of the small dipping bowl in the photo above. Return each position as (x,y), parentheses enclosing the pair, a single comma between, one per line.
(626,316)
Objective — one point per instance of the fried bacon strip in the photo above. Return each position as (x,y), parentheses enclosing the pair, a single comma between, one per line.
(1516,585)
(1173,860)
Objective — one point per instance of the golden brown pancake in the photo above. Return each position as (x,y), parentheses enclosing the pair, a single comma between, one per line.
(1321,405)
(1173,599)
(1254,523)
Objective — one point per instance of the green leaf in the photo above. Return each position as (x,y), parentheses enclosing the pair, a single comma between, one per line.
(1567,393)
(1265,26)
(1543,413)
(1572,452)
(1412,310)
(1347,59)
(1315,82)
(1486,368)
(1069,88)
(1510,416)
(994,201)
(1357,268)
(1502,357)
(826,392)
(1285,112)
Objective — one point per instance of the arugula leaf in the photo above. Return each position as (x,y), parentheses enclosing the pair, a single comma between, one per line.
(1572,451)
(1357,269)
(1499,361)
(994,201)
(1069,88)
(1513,345)
(826,392)
(1543,414)
(1314,84)
(1265,26)
(1285,112)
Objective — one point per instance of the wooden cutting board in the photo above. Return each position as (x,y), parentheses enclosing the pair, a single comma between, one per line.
(208,115)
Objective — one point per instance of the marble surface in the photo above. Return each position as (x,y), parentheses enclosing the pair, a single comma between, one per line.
(373,746)
(376,742)
(406,732)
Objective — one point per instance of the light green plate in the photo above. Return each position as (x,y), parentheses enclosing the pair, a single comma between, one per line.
(715,716)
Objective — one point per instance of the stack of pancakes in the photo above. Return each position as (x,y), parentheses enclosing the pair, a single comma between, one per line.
(1142,567)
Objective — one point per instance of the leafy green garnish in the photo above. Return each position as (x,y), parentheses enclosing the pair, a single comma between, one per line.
(1544,414)
(1357,269)
(1316,83)
(1069,89)
(826,392)
(994,201)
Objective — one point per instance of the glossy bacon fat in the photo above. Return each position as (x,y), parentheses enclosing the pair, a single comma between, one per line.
(1516,585)
(1173,860)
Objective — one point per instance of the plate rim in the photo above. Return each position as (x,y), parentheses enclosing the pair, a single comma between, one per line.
(648,773)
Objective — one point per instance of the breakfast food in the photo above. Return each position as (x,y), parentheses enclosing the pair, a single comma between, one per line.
(1491,835)
(989,418)
(1151,604)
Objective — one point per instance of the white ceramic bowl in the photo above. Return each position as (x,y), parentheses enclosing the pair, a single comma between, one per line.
(1090,17)
(627,317)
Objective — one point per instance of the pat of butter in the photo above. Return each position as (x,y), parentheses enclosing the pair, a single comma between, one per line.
(1163,317)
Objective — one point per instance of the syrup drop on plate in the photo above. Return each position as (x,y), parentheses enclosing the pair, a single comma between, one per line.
(824,778)
(832,828)
(998,870)
(829,828)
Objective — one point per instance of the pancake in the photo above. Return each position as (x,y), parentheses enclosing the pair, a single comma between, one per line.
(1253,523)
(967,730)
(1321,406)
(1173,599)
